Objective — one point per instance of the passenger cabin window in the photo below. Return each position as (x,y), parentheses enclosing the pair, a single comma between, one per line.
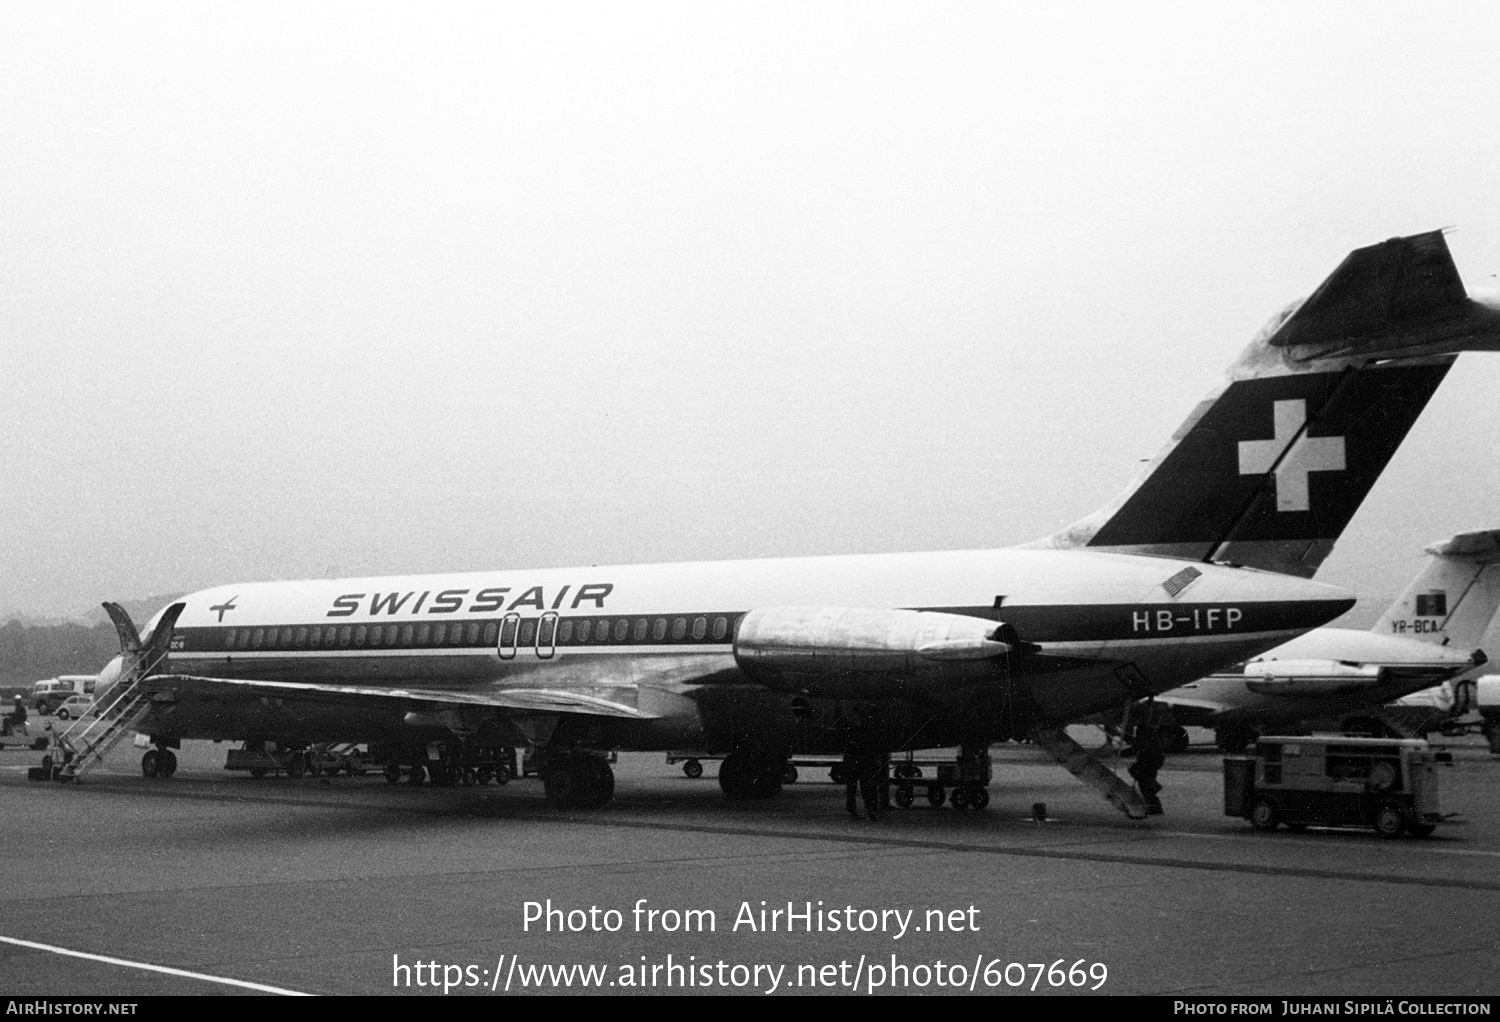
(473,632)
(528,632)
(720,628)
(406,631)
(345,634)
(315,637)
(490,631)
(258,638)
(679,629)
(301,637)
(700,627)
(583,630)
(424,635)
(640,629)
(565,631)
(601,630)
(659,630)
(622,629)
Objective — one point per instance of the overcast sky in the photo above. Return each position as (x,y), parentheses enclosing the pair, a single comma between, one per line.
(295,289)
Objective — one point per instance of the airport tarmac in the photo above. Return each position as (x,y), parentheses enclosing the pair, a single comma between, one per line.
(334,886)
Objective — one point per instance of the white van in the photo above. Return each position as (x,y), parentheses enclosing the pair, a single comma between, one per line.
(48,694)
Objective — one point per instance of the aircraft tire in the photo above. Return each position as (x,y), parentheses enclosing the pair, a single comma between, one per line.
(959,799)
(935,795)
(1263,815)
(1390,822)
(903,796)
(484,775)
(580,782)
(693,769)
(168,765)
(150,763)
(979,798)
(788,774)
(392,773)
(417,774)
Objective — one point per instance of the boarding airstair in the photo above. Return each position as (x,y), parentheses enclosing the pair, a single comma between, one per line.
(83,745)
(117,710)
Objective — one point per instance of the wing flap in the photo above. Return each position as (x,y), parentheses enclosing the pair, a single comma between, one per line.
(516,700)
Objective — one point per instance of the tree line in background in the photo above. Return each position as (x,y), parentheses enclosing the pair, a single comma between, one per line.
(29,653)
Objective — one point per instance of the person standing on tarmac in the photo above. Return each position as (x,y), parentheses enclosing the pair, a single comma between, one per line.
(1149,758)
(864,768)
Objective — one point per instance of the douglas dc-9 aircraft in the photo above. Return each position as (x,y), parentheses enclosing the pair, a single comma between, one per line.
(1202,562)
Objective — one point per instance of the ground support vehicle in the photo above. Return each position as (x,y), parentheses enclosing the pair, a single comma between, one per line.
(1388,784)
(960,782)
(24,735)
(262,758)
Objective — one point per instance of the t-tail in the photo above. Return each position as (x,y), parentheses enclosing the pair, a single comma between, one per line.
(1269,469)
(1455,597)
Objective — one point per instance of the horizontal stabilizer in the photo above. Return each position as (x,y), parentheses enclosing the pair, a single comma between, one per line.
(1378,290)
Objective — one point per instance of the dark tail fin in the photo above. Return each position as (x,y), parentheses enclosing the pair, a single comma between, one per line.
(1269,470)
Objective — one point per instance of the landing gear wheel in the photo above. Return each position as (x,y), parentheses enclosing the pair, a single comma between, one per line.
(788,774)
(392,773)
(484,775)
(296,766)
(935,795)
(903,796)
(502,773)
(417,774)
(835,774)
(979,798)
(1421,829)
(470,778)
(150,763)
(168,764)
(1390,822)
(743,777)
(579,782)
(692,768)
(1263,815)
(959,799)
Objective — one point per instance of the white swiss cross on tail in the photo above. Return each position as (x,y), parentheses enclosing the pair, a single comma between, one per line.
(1304,454)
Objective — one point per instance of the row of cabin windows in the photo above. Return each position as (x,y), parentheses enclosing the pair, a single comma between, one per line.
(474,633)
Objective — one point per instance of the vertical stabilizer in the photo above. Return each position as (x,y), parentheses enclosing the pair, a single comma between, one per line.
(1270,469)
(1454,598)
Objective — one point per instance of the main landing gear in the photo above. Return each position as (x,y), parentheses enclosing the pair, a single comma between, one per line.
(744,776)
(578,780)
(158,762)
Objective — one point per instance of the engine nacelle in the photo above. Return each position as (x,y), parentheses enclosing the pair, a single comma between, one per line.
(860,652)
(1310,677)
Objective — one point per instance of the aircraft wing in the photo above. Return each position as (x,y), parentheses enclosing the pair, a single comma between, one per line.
(514,700)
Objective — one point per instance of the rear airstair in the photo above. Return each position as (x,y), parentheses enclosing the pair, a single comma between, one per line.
(84,745)
(119,709)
